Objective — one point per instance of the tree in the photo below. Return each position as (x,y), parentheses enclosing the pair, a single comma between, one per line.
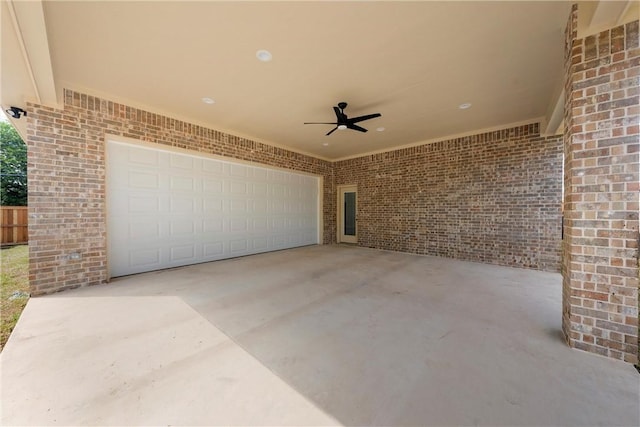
(13,167)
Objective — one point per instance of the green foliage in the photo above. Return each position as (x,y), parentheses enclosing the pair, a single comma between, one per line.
(13,167)
(14,288)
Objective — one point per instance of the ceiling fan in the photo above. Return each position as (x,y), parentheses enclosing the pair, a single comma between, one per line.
(343,122)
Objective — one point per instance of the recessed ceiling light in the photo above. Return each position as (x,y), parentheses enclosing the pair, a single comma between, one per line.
(464,106)
(264,55)
(380,129)
(208,101)
(326,144)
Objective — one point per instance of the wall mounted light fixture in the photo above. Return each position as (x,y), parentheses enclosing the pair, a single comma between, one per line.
(16,112)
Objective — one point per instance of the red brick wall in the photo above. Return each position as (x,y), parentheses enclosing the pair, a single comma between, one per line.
(66,174)
(493,197)
(602,183)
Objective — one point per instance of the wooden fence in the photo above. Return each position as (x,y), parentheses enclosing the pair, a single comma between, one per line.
(14,221)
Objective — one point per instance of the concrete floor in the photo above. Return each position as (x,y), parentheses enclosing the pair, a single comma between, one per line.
(311,336)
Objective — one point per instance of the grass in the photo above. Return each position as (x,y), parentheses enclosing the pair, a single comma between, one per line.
(14,288)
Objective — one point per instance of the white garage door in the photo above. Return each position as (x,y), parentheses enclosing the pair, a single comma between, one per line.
(167,209)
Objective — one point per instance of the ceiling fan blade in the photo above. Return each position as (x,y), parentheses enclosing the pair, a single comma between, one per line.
(319,123)
(362,118)
(331,131)
(356,127)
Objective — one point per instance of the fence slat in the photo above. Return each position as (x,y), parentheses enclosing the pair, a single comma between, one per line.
(14,221)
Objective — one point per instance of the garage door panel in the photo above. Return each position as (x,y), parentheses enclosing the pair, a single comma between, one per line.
(119,236)
(183,253)
(139,204)
(211,185)
(181,205)
(294,239)
(212,168)
(237,206)
(182,227)
(145,257)
(280,242)
(141,230)
(144,179)
(239,246)
(278,176)
(168,209)
(213,250)
(182,162)
(238,188)
(238,170)
(259,225)
(260,206)
(213,225)
(277,206)
(138,157)
(278,223)
(260,174)
(278,190)
(182,183)
(260,189)
(213,205)
(261,243)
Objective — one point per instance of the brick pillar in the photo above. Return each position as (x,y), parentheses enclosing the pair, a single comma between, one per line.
(602,184)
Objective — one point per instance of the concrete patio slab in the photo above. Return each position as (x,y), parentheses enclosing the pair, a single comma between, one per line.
(320,335)
(138,360)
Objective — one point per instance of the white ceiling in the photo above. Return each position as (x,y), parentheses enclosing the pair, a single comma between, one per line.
(414,62)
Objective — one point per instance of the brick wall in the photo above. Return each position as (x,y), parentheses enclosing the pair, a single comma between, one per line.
(493,197)
(602,183)
(66,174)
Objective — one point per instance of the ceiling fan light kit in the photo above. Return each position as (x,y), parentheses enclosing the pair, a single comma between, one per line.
(343,122)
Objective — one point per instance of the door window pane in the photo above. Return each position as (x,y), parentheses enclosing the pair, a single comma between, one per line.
(349,214)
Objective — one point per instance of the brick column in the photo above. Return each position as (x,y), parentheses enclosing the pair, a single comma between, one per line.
(602,183)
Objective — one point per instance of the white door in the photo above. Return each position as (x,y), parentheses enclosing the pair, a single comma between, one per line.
(167,209)
(347,202)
